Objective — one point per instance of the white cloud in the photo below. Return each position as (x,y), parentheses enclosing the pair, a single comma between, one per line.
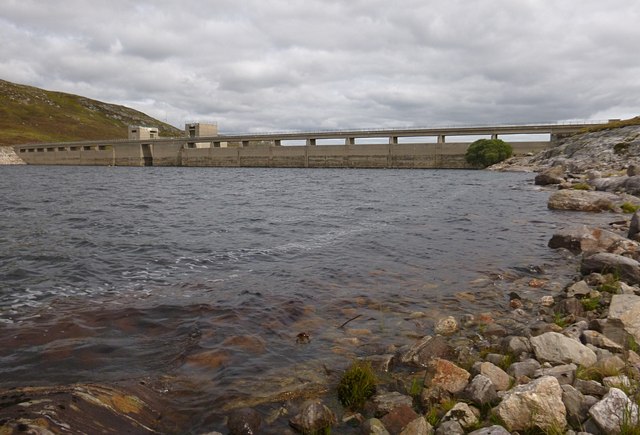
(278,65)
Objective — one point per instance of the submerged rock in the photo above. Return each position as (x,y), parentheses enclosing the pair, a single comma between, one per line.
(315,416)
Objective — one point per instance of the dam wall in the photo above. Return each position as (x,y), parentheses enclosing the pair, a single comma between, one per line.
(384,148)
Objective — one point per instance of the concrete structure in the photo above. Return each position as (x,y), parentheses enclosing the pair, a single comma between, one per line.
(138,132)
(384,148)
(197,129)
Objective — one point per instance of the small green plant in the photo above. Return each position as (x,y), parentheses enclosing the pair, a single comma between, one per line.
(596,373)
(632,344)
(560,320)
(590,304)
(432,416)
(627,207)
(506,362)
(487,152)
(621,148)
(630,423)
(581,186)
(357,385)
(416,387)
(611,284)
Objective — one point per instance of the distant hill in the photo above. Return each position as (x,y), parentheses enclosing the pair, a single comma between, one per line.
(29,114)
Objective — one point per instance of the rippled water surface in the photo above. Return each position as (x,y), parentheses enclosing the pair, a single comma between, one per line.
(204,277)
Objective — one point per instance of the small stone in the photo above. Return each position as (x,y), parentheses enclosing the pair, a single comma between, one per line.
(591,388)
(558,349)
(463,414)
(498,377)
(537,404)
(481,391)
(579,289)
(446,375)
(516,345)
(547,301)
(315,416)
(495,330)
(565,374)
(373,426)
(524,368)
(419,426)
(577,405)
(571,306)
(450,427)
(575,331)
(446,326)
(386,402)
(398,418)
(614,408)
(634,226)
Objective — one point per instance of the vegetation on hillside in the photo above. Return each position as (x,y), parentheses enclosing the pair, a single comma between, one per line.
(487,152)
(614,124)
(29,114)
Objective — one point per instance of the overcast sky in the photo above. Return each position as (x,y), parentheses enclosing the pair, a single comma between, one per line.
(264,65)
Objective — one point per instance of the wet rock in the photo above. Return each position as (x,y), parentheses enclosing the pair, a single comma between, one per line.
(591,388)
(498,377)
(245,421)
(592,239)
(481,391)
(537,404)
(565,373)
(581,200)
(516,346)
(604,262)
(386,402)
(495,330)
(425,350)
(579,289)
(614,408)
(547,301)
(450,428)
(373,426)
(577,405)
(446,326)
(463,414)
(419,426)
(398,418)
(433,395)
(314,416)
(381,363)
(446,375)
(553,175)
(626,308)
(599,340)
(524,368)
(558,349)
(491,430)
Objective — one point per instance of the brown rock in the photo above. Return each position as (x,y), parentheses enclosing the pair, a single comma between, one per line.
(447,375)
(398,418)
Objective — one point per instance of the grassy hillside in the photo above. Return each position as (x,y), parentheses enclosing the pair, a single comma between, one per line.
(29,114)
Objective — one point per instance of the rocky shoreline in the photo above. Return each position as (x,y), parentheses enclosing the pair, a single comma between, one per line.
(562,362)
(9,157)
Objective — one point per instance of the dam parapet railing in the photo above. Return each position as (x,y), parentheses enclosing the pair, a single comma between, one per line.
(367,148)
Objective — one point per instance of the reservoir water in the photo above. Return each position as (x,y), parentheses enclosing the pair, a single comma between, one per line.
(200,279)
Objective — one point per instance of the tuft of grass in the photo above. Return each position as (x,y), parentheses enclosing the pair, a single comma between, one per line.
(560,320)
(627,207)
(614,124)
(417,385)
(506,362)
(357,385)
(629,425)
(590,304)
(581,186)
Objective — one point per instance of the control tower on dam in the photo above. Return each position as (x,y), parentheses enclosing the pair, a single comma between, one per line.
(202,145)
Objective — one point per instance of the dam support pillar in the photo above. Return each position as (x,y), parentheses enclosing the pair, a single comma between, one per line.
(350,141)
(393,140)
(441,138)
(494,136)
(311,142)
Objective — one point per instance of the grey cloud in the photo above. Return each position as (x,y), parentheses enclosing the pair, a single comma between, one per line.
(277,65)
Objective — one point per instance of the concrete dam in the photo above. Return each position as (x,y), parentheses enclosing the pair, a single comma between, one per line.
(424,148)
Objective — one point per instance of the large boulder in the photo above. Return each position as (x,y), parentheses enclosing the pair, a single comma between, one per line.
(613,410)
(626,309)
(536,404)
(559,349)
(630,185)
(591,239)
(626,268)
(582,200)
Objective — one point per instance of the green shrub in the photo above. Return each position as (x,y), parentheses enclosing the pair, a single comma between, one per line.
(621,148)
(487,152)
(357,385)
(627,207)
(590,304)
